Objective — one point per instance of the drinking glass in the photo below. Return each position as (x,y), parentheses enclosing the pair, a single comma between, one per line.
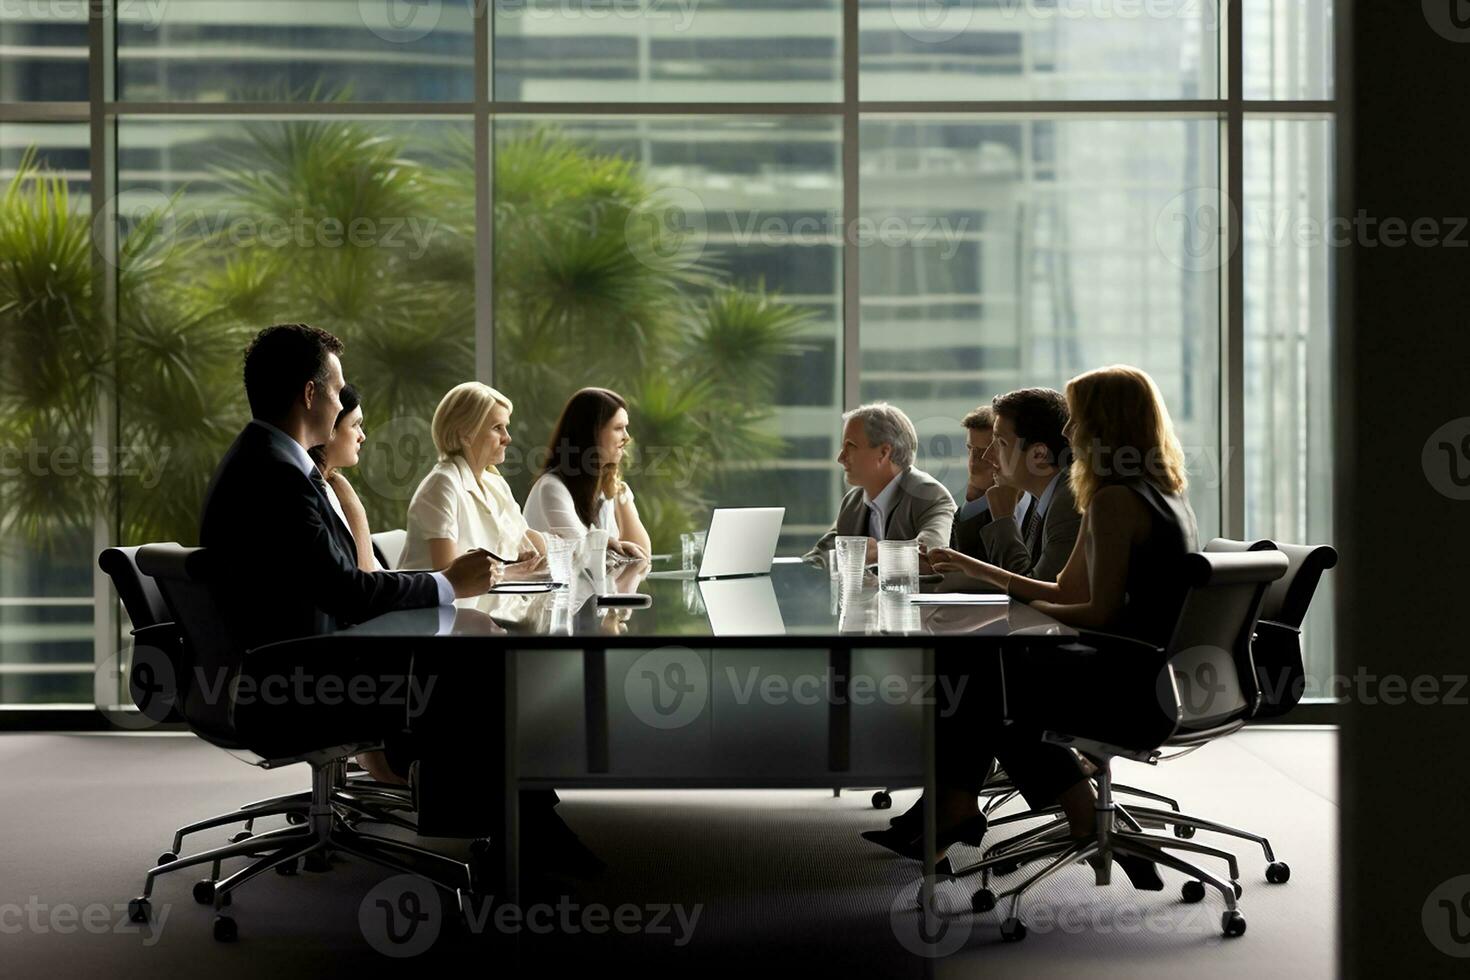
(852,554)
(559,558)
(896,614)
(898,566)
(592,557)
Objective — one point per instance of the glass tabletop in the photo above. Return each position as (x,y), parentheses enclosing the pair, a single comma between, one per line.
(795,600)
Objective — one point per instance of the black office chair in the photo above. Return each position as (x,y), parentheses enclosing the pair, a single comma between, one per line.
(331,816)
(154,666)
(1211,639)
(1277,648)
(155,638)
(1280,672)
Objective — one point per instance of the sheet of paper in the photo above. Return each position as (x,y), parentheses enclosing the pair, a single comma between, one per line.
(959,598)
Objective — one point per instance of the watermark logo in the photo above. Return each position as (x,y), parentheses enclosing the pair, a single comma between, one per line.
(400,21)
(1446,459)
(1446,917)
(1199,681)
(1193,231)
(931,932)
(669,230)
(942,453)
(401,916)
(148,674)
(667,688)
(137,215)
(397,456)
(1450,19)
(932,21)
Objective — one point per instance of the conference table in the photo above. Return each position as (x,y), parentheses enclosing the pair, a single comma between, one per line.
(770,681)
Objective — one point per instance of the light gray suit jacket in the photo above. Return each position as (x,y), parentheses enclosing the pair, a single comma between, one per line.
(922,509)
(1044,552)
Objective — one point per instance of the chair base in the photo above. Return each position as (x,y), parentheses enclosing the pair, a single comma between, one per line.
(1116,832)
(331,815)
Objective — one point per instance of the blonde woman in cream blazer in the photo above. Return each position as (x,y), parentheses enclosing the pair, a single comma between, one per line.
(464,503)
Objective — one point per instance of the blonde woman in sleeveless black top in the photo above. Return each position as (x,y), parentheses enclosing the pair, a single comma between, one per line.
(1128,477)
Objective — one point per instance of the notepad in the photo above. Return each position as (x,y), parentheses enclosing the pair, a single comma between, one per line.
(959,598)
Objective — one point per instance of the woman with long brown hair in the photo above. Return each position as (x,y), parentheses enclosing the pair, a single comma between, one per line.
(581,483)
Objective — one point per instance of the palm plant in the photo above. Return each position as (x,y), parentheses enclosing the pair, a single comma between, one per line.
(582,296)
(51,357)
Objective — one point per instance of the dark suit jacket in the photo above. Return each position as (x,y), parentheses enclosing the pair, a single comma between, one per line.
(288,566)
(965,535)
(1044,552)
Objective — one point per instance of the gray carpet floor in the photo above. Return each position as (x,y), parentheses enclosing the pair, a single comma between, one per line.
(698,882)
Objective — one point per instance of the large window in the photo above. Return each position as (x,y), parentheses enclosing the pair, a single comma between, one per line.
(746,215)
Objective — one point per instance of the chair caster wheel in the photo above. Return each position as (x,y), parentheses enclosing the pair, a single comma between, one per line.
(1013,930)
(1193,891)
(167,857)
(881,800)
(1232,923)
(243,835)
(983,901)
(317,862)
(1183,832)
(288,867)
(1278,872)
(204,892)
(139,910)
(225,929)
(295,818)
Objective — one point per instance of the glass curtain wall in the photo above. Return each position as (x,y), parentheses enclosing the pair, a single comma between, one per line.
(671,198)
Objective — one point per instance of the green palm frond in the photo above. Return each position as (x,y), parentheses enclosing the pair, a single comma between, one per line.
(589,288)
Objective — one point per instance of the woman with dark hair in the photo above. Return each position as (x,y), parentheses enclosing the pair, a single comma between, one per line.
(338,453)
(581,485)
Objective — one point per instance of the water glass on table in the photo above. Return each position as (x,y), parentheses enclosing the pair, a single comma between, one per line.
(851,555)
(592,556)
(898,566)
(691,544)
(559,558)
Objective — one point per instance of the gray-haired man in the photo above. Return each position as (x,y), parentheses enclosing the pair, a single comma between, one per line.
(890,500)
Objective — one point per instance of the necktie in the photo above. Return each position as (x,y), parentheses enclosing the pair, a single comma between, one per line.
(1031,531)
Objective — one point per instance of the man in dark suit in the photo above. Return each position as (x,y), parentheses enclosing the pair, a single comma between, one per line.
(974,513)
(1031,457)
(287,565)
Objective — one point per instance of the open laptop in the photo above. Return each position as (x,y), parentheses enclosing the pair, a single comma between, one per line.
(740,541)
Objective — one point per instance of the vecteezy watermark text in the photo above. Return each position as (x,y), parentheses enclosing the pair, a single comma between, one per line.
(64,919)
(403,915)
(39,459)
(858,689)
